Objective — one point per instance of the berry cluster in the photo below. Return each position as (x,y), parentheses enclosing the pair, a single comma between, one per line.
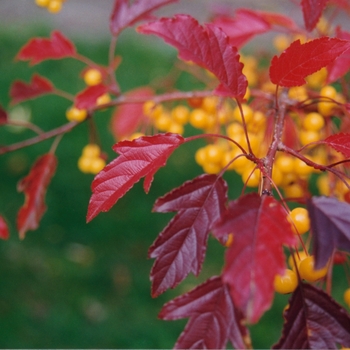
(53,6)
(91,160)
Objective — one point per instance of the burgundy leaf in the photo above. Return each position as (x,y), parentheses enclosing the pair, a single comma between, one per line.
(4,230)
(21,91)
(87,99)
(300,60)
(330,222)
(312,11)
(128,116)
(340,65)
(206,46)
(260,228)
(3,116)
(314,321)
(340,142)
(214,320)
(34,186)
(125,15)
(180,248)
(138,158)
(41,49)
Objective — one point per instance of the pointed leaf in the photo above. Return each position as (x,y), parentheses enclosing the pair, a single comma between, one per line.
(41,49)
(21,91)
(207,46)
(314,321)
(260,228)
(87,98)
(34,186)
(181,247)
(340,142)
(214,320)
(138,158)
(4,230)
(341,65)
(300,60)
(330,224)
(3,116)
(125,15)
(128,116)
(312,11)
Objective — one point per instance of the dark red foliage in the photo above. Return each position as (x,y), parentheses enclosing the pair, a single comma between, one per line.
(312,11)
(260,228)
(41,49)
(340,142)
(214,320)
(4,230)
(138,158)
(34,186)
(128,116)
(300,60)
(3,116)
(21,91)
(330,222)
(180,248)
(206,46)
(314,321)
(87,99)
(125,14)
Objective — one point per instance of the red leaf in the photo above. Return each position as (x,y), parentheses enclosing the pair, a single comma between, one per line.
(21,91)
(300,60)
(41,49)
(206,46)
(125,15)
(214,320)
(260,228)
(243,26)
(3,116)
(128,116)
(278,19)
(312,11)
(87,98)
(341,65)
(138,158)
(180,248)
(4,230)
(340,142)
(314,321)
(34,186)
(330,223)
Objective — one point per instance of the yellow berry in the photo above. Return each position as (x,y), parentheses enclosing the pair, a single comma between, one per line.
(251,177)
(300,220)
(163,122)
(293,190)
(92,77)
(103,99)
(97,164)
(210,104)
(285,163)
(301,168)
(281,42)
(199,118)
(211,168)
(307,271)
(180,114)
(201,156)
(235,131)
(42,3)
(148,107)
(74,114)
(214,153)
(347,297)
(313,121)
(298,257)
(247,112)
(287,283)
(54,6)
(308,136)
(328,91)
(135,136)
(91,150)
(298,93)
(176,128)
(84,164)
(325,107)
(317,79)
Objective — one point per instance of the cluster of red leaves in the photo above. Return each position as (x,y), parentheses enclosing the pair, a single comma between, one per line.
(219,308)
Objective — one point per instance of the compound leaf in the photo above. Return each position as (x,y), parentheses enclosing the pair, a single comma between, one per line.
(314,320)
(330,222)
(180,248)
(214,320)
(138,158)
(41,49)
(128,116)
(34,186)
(4,230)
(300,60)
(38,86)
(207,46)
(260,228)
(340,142)
(87,98)
(125,15)
(312,11)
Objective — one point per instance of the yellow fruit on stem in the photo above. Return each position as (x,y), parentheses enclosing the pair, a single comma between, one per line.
(92,77)
(74,114)
(346,297)
(54,6)
(42,3)
(287,283)
(308,272)
(300,221)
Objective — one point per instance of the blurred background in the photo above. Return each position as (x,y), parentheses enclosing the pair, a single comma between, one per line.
(75,285)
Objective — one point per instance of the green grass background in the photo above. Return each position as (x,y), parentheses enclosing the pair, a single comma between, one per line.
(75,285)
